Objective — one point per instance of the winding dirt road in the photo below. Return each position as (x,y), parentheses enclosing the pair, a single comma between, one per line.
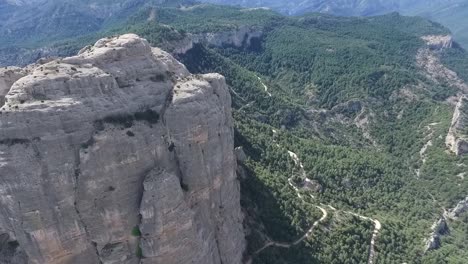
(306,235)
(375,233)
(377,224)
(264,85)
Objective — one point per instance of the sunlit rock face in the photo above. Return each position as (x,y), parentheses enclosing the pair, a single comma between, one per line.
(118,155)
(457,137)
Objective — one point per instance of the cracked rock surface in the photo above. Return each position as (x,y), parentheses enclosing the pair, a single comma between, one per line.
(457,137)
(117,155)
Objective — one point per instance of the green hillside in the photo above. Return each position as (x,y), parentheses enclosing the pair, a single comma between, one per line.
(451,13)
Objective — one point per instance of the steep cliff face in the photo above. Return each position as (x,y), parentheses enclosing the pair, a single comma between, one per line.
(118,155)
(8,76)
(457,137)
(428,59)
(437,42)
(243,36)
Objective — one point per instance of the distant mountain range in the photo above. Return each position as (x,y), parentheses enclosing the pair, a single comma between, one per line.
(451,13)
(25,23)
(342,7)
(34,24)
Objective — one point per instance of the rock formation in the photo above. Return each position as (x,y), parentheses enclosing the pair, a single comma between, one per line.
(457,137)
(461,208)
(428,59)
(243,36)
(118,155)
(439,228)
(8,76)
(438,42)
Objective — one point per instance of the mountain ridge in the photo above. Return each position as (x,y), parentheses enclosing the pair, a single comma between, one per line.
(450,13)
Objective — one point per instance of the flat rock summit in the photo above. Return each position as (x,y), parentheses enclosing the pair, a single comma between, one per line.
(117,155)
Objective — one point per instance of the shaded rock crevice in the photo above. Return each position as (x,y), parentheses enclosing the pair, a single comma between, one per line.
(77,172)
(10,251)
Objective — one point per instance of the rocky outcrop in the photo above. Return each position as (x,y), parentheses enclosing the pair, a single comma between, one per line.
(438,42)
(119,155)
(8,76)
(241,37)
(461,208)
(312,185)
(428,59)
(439,228)
(457,137)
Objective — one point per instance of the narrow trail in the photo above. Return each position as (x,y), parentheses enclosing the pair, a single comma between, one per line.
(377,227)
(377,224)
(246,106)
(264,85)
(423,150)
(375,233)
(309,231)
(306,235)
(429,143)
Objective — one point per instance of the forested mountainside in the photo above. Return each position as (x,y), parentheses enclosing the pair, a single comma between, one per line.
(337,7)
(345,128)
(451,13)
(28,26)
(365,104)
(34,23)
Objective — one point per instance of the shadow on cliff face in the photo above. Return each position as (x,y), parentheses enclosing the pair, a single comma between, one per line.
(265,218)
(10,251)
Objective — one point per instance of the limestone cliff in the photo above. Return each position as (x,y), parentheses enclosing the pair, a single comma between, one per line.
(428,59)
(242,36)
(459,209)
(118,155)
(438,42)
(8,76)
(457,137)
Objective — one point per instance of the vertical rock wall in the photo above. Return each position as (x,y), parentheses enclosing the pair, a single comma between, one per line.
(118,155)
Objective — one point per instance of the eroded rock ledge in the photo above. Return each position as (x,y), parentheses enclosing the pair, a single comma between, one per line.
(118,155)
(457,137)
(241,37)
